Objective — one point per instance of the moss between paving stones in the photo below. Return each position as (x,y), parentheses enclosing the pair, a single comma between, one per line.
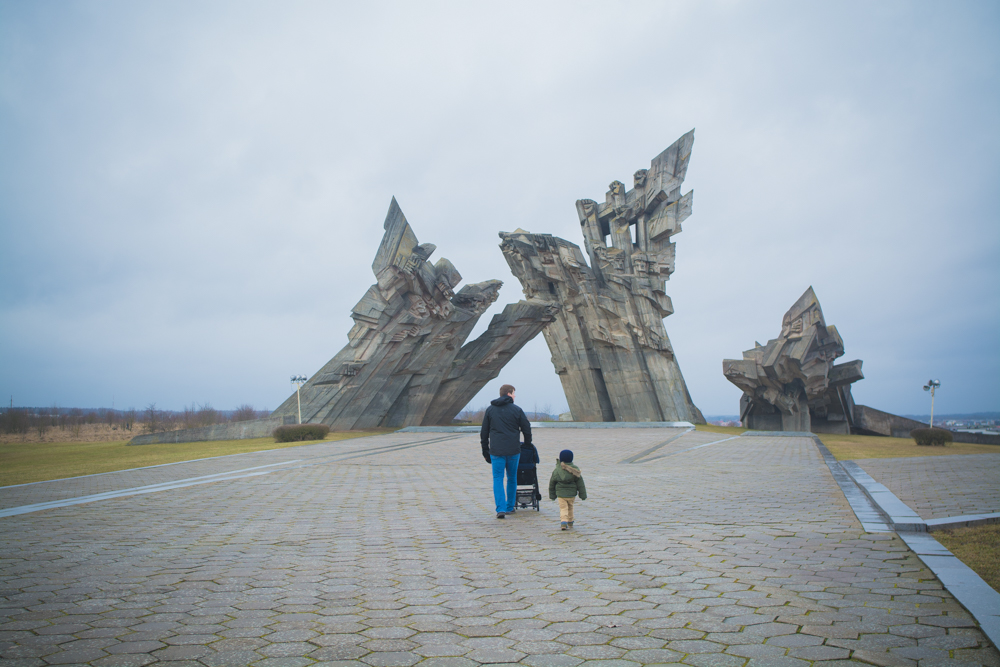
(977,547)
(22,463)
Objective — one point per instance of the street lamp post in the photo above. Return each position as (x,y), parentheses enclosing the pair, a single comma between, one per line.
(931,386)
(298,380)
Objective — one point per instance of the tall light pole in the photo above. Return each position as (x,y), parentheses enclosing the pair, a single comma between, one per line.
(298,380)
(931,386)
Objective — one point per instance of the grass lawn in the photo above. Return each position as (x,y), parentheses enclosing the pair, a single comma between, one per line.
(21,463)
(847,447)
(978,547)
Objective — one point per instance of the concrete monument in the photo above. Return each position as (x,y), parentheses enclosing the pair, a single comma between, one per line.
(792,384)
(404,364)
(607,340)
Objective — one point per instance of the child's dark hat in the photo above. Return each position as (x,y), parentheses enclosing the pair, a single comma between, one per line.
(566,456)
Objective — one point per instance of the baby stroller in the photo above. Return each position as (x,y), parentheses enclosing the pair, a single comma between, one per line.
(527,479)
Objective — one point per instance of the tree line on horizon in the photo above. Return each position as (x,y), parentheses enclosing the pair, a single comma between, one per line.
(18,420)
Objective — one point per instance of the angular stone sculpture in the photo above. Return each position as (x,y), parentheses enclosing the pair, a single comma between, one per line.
(792,384)
(481,360)
(407,339)
(608,342)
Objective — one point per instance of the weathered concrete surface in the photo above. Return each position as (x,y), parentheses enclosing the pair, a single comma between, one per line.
(869,421)
(406,340)
(255,428)
(481,360)
(608,343)
(791,384)
(384,551)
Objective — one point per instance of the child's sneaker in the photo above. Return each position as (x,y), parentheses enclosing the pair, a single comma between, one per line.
(570,524)
(563,525)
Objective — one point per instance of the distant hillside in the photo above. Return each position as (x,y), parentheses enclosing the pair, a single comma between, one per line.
(967,416)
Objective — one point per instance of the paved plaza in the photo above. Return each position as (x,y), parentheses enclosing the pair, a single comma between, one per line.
(941,486)
(693,547)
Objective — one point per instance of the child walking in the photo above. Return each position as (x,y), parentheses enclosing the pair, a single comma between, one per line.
(565,484)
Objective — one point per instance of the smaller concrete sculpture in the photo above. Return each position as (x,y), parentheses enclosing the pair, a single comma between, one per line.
(792,384)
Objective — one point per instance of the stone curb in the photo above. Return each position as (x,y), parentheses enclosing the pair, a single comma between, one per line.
(898,513)
(958,578)
(968,587)
(864,508)
(964,521)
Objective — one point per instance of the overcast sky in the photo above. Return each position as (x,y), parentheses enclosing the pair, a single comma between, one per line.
(191,194)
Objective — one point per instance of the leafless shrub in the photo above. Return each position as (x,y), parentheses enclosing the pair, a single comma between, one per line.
(244,413)
(207,415)
(15,420)
(152,421)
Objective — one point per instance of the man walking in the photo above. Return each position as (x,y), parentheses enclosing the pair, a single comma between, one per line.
(502,446)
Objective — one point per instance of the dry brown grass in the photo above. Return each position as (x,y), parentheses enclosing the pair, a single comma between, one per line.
(847,447)
(21,463)
(74,433)
(978,547)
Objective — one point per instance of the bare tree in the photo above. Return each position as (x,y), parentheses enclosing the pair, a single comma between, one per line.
(207,415)
(190,416)
(244,413)
(42,422)
(152,424)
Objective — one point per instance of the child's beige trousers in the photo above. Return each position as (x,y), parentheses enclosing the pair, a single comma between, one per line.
(566,508)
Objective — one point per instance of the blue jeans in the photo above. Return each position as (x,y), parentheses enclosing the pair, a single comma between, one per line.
(500,464)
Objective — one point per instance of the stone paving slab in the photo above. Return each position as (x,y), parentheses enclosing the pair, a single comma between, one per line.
(40,492)
(741,553)
(941,486)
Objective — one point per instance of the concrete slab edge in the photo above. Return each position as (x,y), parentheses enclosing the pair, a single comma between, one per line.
(900,515)
(867,512)
(978,598)
(965,521)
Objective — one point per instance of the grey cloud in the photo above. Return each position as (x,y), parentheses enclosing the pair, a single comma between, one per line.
(191,196)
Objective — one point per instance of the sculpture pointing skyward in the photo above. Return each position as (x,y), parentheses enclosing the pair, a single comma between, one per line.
(404,364)
(792,384)
(608,342)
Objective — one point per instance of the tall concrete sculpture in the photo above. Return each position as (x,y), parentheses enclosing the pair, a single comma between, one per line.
(404,364)
(607,340)
(792,384)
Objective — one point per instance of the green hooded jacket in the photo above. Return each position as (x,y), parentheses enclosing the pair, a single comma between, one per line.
(566,482)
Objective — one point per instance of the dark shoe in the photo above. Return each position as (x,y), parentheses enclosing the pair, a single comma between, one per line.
(499,515)
(563,525)
(512,510)
(570,524)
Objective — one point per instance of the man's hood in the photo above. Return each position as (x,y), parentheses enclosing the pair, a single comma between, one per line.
(503,400)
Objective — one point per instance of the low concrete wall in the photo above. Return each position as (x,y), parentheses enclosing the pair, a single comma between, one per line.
(875,422)
(976,438)
(257,428)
